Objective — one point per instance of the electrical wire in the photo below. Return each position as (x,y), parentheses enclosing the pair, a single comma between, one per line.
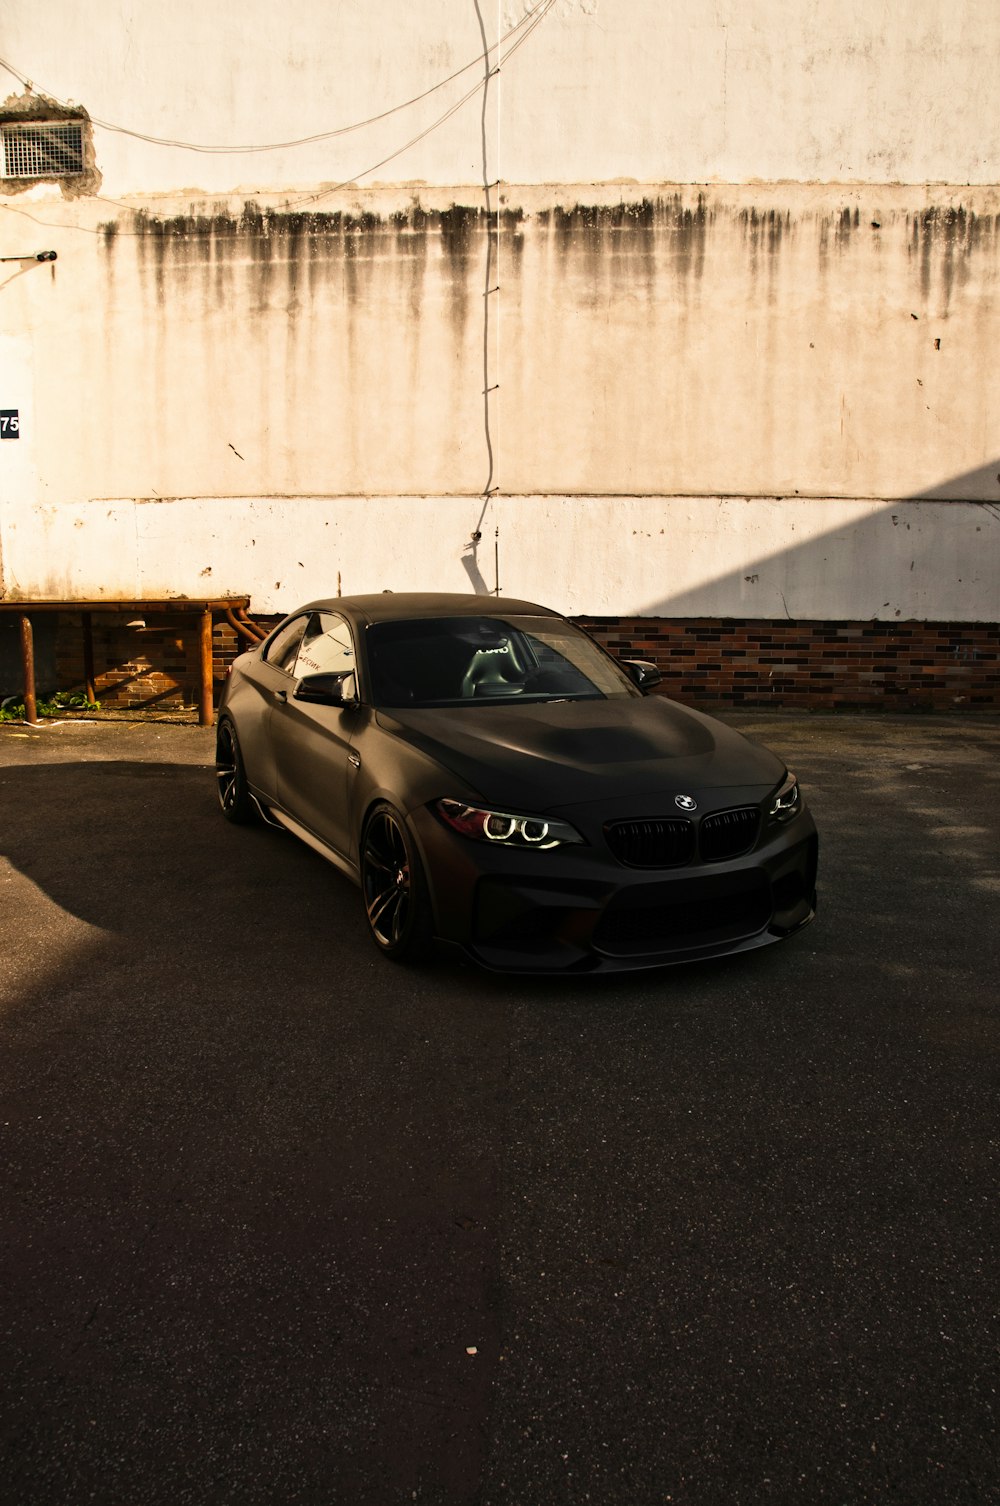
(324,193)
(526,25)
(533,18)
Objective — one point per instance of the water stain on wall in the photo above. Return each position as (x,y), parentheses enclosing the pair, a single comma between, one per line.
(949,237)
(671,233)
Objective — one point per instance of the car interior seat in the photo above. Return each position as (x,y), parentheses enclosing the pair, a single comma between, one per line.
(492,672)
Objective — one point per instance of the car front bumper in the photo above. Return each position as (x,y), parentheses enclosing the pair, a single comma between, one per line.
(577,909)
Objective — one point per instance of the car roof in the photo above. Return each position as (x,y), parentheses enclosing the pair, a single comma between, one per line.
(394,606)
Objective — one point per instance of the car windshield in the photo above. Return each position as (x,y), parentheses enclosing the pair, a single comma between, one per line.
(453,661)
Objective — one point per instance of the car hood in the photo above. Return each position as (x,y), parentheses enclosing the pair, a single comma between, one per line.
(548,756)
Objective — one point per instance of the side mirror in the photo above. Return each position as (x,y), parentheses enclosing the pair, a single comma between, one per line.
(329,690)
(645,674)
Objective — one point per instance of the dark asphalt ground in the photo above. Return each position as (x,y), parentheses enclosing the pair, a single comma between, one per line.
(283,1223)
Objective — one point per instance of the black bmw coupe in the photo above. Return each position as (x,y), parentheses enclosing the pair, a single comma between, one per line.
(492,779)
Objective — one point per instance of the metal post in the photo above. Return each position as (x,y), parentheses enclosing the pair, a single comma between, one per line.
(28,663)
(206,710)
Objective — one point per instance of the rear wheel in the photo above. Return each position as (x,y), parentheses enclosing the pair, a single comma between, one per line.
(234,796)
(392,882)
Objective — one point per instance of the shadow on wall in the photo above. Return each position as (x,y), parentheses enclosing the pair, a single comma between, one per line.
(910,560)
(978,485)
(922,579)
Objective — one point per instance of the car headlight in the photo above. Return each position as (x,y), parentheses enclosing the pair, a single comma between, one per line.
(504,828)
(786,802)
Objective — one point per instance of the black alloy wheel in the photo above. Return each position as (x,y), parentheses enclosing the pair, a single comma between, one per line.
(234,796)
(392,883)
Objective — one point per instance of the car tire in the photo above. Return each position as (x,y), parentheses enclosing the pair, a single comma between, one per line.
(397,907)
(231,778)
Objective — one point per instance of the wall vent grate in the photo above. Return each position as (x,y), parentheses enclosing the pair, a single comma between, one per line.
(42,149)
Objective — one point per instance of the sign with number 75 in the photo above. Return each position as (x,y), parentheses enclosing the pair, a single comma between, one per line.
(10,424)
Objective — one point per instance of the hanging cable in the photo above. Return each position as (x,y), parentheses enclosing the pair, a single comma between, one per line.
(533,19)
(300,200)
(324,193)
(524,27)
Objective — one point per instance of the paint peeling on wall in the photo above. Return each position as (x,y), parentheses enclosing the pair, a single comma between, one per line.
(34,106)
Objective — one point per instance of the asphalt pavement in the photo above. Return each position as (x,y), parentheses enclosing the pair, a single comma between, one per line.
(282,1222)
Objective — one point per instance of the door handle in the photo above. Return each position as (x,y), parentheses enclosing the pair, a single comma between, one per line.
(281,695)
(354,759)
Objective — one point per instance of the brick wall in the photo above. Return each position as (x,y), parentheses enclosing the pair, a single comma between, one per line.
(894,666)
(913,666)
(141,662)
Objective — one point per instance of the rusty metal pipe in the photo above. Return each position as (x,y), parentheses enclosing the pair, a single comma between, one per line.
(247,620)
(238,629)
(28,665)
(243,629)
(206,709)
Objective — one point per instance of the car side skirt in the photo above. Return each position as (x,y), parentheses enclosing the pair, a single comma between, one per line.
(274,816)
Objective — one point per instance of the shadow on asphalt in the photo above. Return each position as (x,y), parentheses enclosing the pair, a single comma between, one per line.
(287,1223)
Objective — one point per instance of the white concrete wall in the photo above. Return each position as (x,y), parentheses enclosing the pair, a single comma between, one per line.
(825,558)
(721,399)
(676,91)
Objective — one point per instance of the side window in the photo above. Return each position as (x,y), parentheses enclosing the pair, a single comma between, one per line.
(281,650)
(327,647)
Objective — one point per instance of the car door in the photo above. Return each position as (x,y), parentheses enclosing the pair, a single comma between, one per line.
(265,682)
(312,744)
